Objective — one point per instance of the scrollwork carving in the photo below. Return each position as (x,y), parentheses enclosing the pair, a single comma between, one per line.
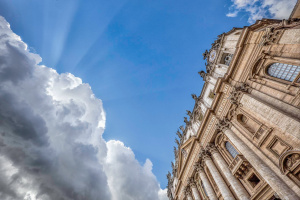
(237,92)
(223,124)
(204,154)
(212,148)
(191,182)
(187,190)
(270,37)
(198,166)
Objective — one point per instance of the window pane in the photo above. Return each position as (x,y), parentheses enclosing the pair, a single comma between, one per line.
(233,152)
(283,71)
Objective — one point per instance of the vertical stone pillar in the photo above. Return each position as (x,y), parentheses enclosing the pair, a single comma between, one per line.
(187,192)
(225,191)
(207,186)
(193,186)
(275,182)
(238,188)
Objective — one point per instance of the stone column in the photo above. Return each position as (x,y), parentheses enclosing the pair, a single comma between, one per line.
(187,192)
(275,182)
(207,186)
(225,191)
(193,186)
(236,185)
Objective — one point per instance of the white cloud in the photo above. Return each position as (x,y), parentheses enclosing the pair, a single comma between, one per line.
(51,144)
(257,9)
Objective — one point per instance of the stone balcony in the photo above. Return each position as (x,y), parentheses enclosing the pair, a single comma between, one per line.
(239,166)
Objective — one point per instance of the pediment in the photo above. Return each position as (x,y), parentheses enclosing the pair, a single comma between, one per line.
(185,150)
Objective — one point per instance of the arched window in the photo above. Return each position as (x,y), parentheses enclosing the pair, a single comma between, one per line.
(233,152)
(284,71)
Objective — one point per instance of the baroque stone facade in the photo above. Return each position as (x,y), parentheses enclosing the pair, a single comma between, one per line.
(242,139)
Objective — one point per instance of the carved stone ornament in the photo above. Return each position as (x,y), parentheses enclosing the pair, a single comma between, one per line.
(198,166)
(204,75)
(237,92)
(182,129)
(208,67)
(191,182)
(204,154)
(189,113)
(274,32)
(216,43)
(174,169)
(195,97)
(187,191)
(180,136)
(205,55)
(212,148)
(290,162)
(169,177)
(175,152)
(223,124)
(270,37)
(184,153)
(186,120)
(177,142)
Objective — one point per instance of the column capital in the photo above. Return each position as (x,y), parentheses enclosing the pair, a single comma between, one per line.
(187,190)
(237,92)
(223,124)
(198,167)
(212,148)
(204,154)
(191,182)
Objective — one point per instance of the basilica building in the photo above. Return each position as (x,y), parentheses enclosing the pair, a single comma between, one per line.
(242,138)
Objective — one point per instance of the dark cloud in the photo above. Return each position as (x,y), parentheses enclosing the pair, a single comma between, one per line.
(51,145)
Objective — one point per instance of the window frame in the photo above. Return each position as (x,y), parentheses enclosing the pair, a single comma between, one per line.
(286,82)
(281,72)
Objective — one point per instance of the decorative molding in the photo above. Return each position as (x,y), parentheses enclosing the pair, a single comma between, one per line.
(223,124)
(191,182)
(289,161)
(237,92)
(187,190)
(198,166)
(271,36)
(212,148)
(208,129)
(204,154)
(277,146)
(235,97)
(239,166)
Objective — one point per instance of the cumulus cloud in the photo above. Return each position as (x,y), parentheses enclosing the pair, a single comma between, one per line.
(258,9)
(51,145)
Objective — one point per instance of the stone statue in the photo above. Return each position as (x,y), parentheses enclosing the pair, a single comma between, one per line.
(182,129)
(208,67)
(189,113)
(205,55)
(194,97)
(175,152)
(204,75)
(179,134)
(169,176)
(186,120)
(177,141)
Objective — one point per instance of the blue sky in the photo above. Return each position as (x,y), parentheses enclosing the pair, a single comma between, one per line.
(141,59)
